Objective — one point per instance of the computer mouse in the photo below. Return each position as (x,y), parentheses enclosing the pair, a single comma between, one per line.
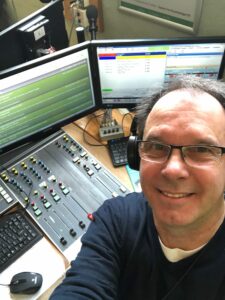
(25,283)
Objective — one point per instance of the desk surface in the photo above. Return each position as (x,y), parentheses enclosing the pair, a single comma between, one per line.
(91,125)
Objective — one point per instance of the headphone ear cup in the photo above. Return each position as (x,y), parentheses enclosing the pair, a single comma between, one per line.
(132,153)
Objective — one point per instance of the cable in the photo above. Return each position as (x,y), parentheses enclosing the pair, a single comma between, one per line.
(124,116)
(4,284)
(85,131)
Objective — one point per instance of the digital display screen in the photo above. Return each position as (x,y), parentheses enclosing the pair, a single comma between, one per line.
(130,72)
(43,96)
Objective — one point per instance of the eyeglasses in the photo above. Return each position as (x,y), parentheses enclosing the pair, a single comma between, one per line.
(193,155)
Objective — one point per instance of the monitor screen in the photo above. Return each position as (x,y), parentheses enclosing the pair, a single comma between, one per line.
(130,70)
(36,35)
(42,98)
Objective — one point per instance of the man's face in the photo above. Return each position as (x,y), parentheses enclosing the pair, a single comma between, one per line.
(180,195)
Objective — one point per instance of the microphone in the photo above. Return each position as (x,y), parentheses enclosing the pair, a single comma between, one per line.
(92,14)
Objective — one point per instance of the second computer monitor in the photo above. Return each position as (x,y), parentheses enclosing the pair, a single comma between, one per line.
(130,70)
(45,94)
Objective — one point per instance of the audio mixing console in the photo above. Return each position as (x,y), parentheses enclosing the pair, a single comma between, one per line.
(60,184)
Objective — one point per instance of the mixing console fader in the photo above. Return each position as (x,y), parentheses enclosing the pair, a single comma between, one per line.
(60,184)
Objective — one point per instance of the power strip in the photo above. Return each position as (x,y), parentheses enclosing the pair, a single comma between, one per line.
(110,131)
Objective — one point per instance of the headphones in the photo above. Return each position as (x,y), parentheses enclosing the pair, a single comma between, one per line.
(133,157)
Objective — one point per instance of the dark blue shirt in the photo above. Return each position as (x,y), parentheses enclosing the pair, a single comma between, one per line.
(121,258)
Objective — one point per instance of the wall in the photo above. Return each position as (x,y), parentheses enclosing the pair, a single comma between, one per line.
(120,24)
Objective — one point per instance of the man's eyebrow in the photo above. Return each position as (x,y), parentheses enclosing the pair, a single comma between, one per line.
(196,141)
(206,141)
(153,137)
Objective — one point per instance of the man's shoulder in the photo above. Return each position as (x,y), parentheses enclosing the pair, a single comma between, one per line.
(131,207)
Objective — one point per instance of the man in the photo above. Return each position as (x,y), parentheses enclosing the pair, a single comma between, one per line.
(175,249)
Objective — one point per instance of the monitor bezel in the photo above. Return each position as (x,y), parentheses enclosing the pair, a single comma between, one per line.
(150,42)
(18,70)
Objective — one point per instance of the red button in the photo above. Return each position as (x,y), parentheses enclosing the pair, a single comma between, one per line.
(91,217)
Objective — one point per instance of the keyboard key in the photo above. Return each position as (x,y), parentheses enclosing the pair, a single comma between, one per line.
(118,151)
(17,235)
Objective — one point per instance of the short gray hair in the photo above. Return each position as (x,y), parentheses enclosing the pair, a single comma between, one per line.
(215,88)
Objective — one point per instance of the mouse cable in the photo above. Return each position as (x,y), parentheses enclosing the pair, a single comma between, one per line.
(4,284)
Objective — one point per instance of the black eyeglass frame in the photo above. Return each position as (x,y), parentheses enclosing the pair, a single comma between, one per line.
(171,147)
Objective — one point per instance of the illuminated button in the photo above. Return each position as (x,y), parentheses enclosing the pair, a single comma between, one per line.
(123,189)
(8,198)
(90,172)
(47,205)
(53,193)
(43,184)
(3,193)
(91,217)
(26,199)
(56,198)
(62,186)
(66,191)
(52,178)
(83,154)
(34,206)
(38,212)
(114,194)
(98,167)
(76,159)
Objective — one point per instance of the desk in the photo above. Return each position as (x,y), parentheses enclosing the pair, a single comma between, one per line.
(61,264)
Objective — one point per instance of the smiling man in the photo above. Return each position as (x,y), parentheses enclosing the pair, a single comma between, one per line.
(169,241)
(187,184)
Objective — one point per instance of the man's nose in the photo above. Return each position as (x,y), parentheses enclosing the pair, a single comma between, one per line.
(175,167)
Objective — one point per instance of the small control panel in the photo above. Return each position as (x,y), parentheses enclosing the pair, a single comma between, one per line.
(60,184)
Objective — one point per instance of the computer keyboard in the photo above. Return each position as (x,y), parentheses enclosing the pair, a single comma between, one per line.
(17,235)
(118,151)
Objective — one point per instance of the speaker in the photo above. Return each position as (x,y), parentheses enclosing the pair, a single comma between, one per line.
(133,157)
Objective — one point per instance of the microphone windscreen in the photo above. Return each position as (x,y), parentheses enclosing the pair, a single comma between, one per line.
(91,12)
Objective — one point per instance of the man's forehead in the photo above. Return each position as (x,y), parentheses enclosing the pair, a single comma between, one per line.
(187,100)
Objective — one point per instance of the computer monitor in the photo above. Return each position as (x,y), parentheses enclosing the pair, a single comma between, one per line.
(36,35)
(48,93)
(130,70)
